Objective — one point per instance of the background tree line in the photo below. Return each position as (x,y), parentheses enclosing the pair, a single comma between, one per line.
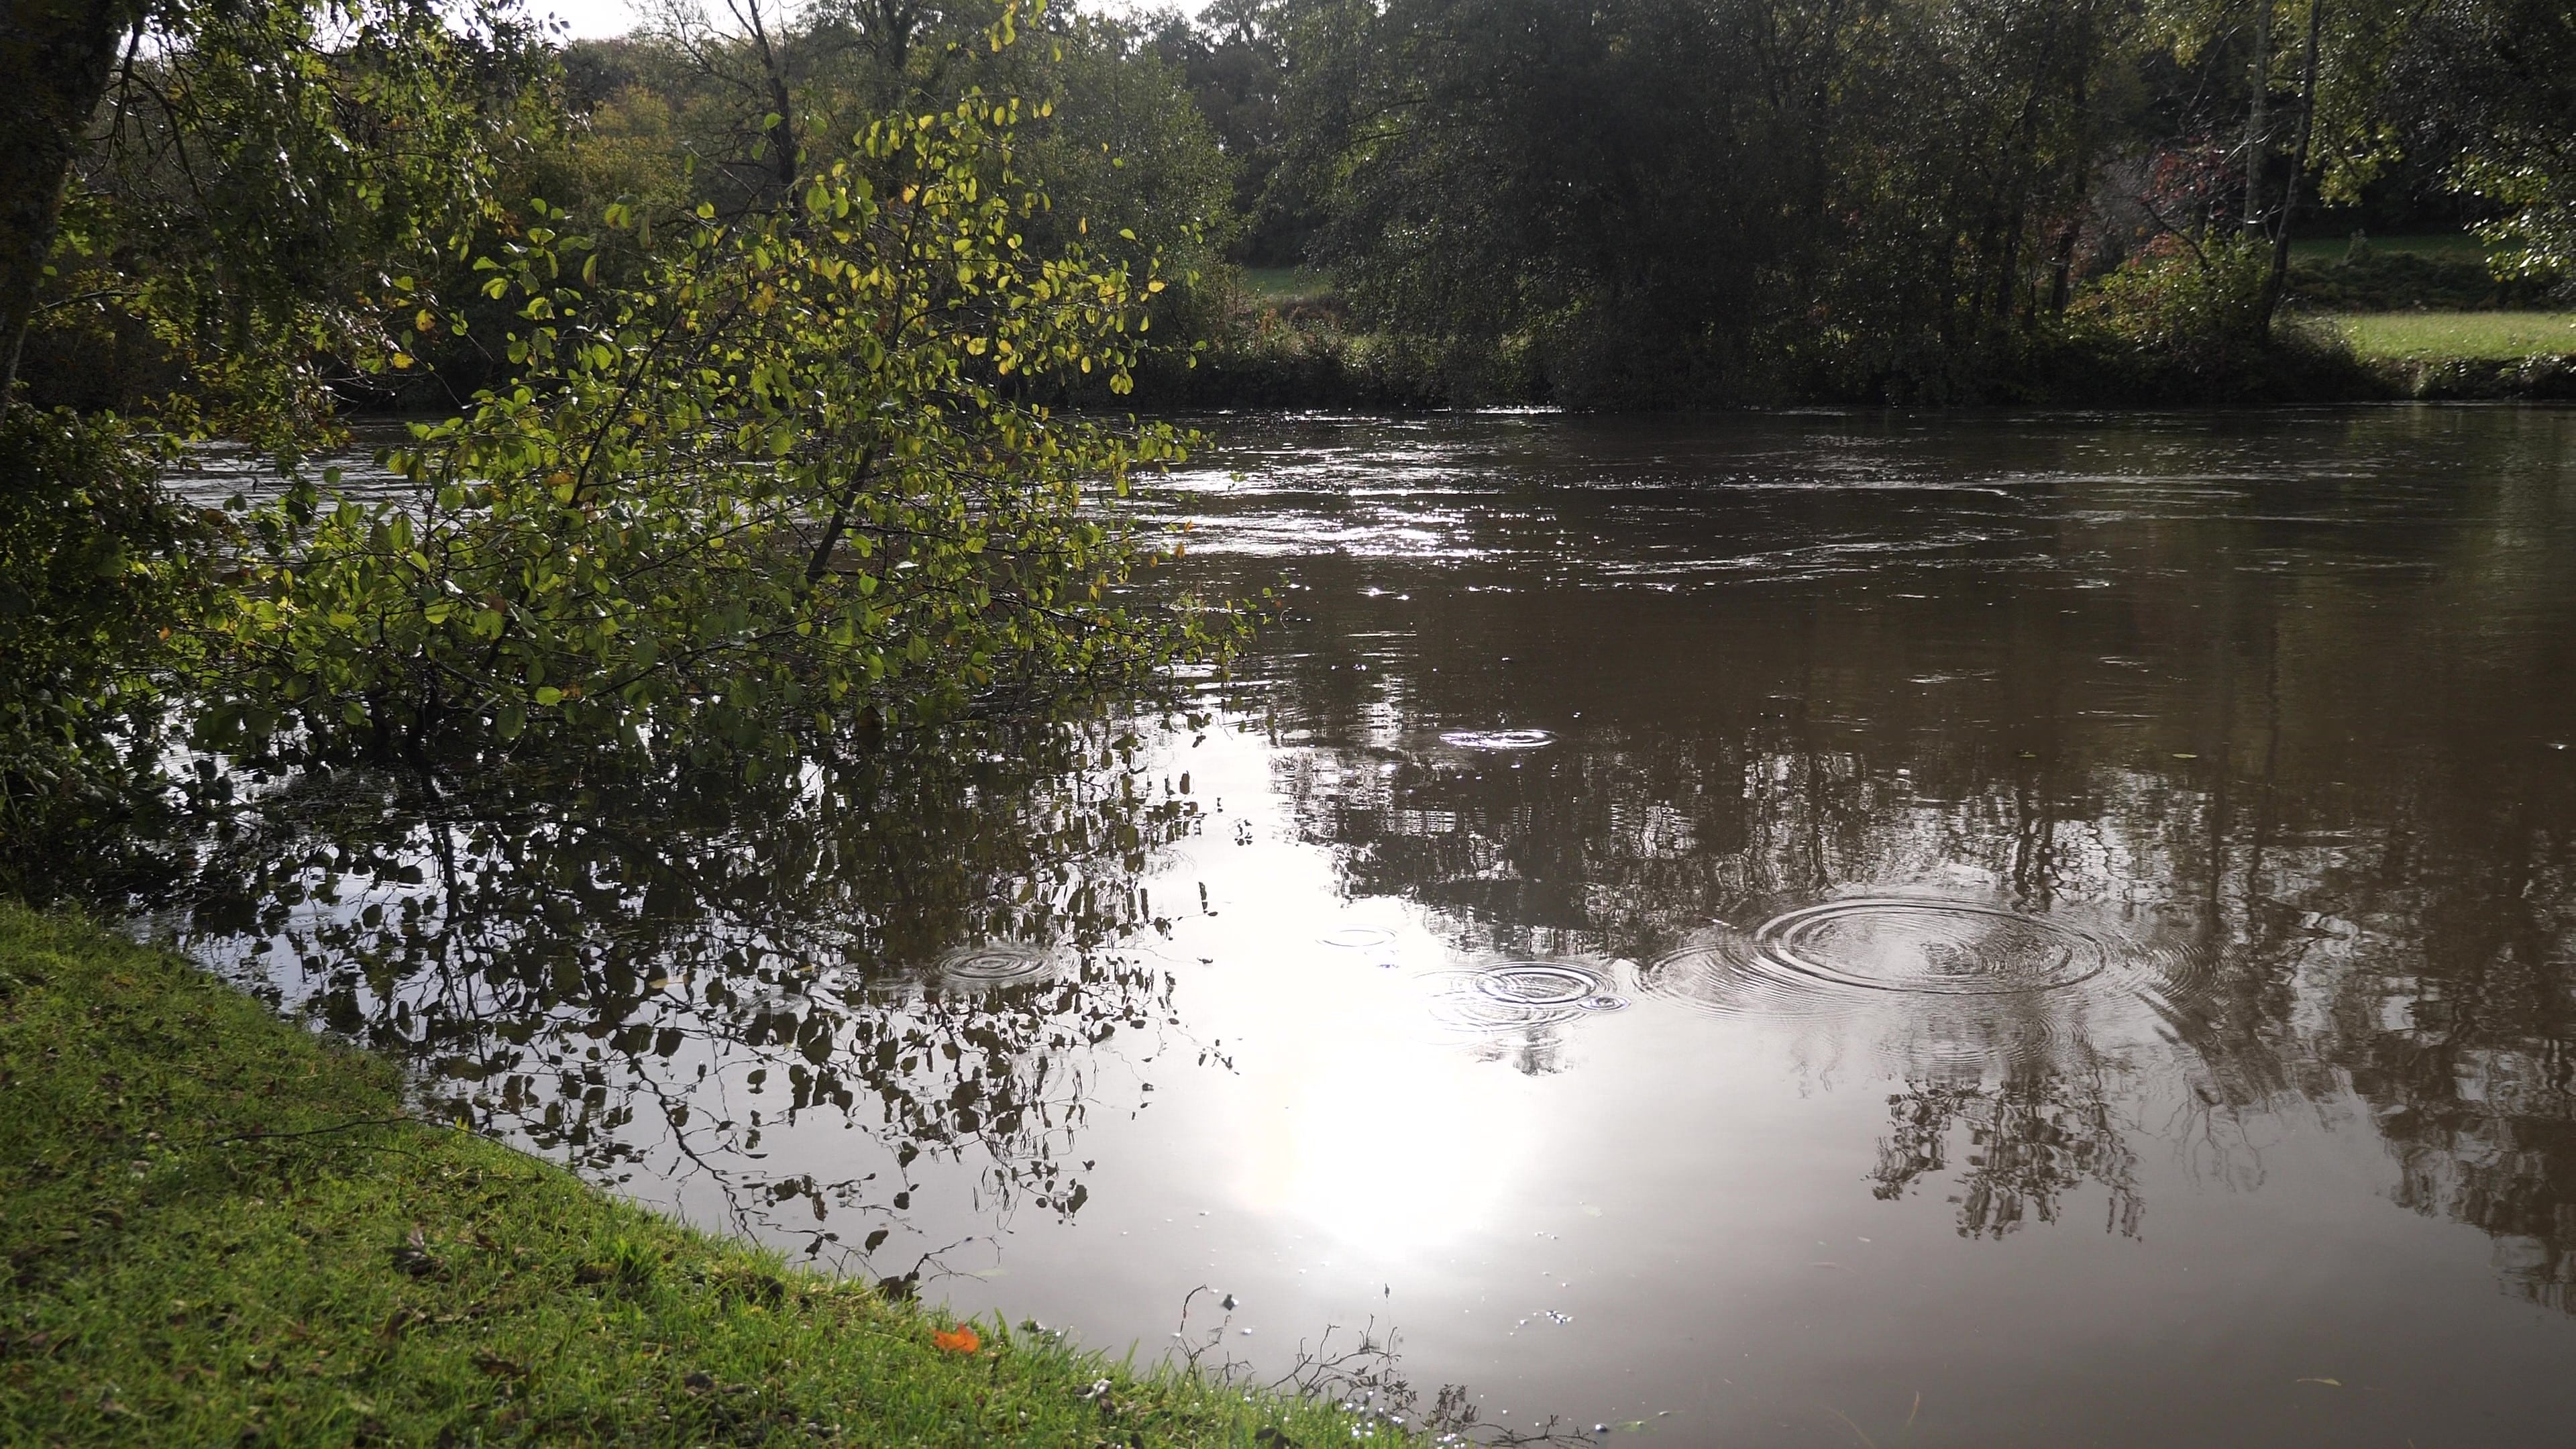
(1669,201)
(1634,202)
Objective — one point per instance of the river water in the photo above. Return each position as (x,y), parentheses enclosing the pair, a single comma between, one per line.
(1821,929)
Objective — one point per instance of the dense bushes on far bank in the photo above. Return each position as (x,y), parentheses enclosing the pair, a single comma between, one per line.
(1312,356)
(2389,281)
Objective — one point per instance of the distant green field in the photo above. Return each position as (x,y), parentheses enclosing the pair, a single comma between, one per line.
(2457,245)
(1281,284)
(2487,336)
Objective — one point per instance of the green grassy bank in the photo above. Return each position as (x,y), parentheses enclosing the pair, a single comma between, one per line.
(1285,284)
(2466,336)
(2466,355)
(222,1229)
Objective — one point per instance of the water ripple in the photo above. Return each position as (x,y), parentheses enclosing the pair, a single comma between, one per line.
(1539,983)
(1517,996)
(995,963)
(1498,739)
(1951,948)
(1357,938)
(1941,979)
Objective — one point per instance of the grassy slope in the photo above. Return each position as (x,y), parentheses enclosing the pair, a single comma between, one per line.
(223,1229)
(2482,336)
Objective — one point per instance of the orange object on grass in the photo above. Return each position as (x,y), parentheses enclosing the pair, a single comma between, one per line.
(960,1339)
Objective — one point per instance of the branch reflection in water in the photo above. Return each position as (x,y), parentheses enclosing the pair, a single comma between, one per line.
(653,977)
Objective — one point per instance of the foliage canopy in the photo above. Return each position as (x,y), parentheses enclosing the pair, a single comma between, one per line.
(794,475)
(259,173)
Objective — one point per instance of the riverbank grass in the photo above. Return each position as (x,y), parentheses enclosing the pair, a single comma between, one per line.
(222,1229)
(1285,284)
(2465,336)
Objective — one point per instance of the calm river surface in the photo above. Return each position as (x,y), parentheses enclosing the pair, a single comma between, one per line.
(1816,929)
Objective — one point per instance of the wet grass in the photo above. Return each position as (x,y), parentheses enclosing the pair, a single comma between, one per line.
(223,1229)
(2470,336)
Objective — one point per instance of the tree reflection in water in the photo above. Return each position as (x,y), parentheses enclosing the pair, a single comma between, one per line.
(654,979)
(2400,951)
(650,976)
(2030,1139)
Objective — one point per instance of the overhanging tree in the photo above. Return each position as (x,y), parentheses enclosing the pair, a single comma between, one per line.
(792,480)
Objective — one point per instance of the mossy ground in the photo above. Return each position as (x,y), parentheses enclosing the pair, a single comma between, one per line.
(223,1229)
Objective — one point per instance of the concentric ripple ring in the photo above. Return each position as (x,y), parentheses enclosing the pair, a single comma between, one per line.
(1539,983)
(1358,938)
(1498,739)
(994,965)
(1947,948)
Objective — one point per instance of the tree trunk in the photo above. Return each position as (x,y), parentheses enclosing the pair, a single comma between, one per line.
(784,148)
(2258,116)
(55,57)
(2278,281)
(2079,182)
